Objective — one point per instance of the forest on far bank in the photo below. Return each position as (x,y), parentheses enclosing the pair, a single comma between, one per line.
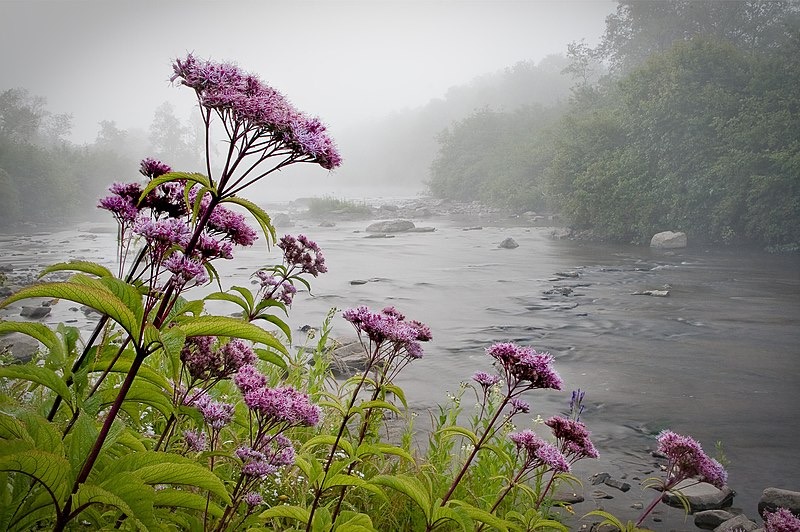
(685,117)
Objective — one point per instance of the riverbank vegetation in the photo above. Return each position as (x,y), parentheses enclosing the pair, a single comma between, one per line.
(693,126)
(169,417)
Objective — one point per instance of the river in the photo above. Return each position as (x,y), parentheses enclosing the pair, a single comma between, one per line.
(718,359)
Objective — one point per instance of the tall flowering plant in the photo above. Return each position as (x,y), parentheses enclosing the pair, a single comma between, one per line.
(171,386)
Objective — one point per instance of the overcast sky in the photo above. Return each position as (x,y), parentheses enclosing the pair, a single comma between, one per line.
(344,61)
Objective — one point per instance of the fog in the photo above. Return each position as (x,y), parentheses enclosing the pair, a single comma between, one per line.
(348,62)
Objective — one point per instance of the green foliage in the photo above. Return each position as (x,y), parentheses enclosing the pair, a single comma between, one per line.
(328,206)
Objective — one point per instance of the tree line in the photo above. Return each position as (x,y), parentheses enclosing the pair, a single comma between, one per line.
(684,117)
(45,178)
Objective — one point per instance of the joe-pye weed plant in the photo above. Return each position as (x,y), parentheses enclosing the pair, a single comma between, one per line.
(168,417)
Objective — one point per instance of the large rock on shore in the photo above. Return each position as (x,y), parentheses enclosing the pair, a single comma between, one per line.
(774,498)
(700,496)
(391,226)
(668,240)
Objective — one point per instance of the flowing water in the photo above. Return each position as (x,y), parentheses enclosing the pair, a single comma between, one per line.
(719,358)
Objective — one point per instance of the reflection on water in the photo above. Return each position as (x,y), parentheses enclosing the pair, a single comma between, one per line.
(717,359)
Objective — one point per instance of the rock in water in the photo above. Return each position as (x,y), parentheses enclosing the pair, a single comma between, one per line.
(391,226)
(774,498)
(668,240)
(508,243)
(700,496)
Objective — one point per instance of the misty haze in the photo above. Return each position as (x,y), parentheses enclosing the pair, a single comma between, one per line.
(226,227)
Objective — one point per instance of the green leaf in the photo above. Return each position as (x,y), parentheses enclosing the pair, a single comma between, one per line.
(377,403)
(397,391)
(175,176)
(224,326)
(279,323)
(49,469)
(350,480)
(224,296)
(39,375)
(79,442)
(91,268)
(40,332)
(446,513)
(188,474)
(246,294)
(12,429)
(366,449)
(172,498)
(123,365)
(461,431)
(323,522)
(45,434)
(143,392)
(97,298)
(272,358)
(292,512)
(136,494)
(328,439)
(91,494)
(353,522)
(126,293)
(483,516)
(411,487)
(258,213)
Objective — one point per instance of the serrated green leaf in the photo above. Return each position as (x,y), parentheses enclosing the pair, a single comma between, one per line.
(246,294)
(287,511)
(12,429)
(272,358)
(411,487)
(224,296)
(39,375)
(40,332)
(397,391)
(366,449)
(190,177)
(188,474)
(123,365)
(91,494)
(173,498)
(224,326)
(461,431)
(146,393)
(45,434)
(379,404)
(279,323)
(136,494)
(97,298)
(258,213)
(327,439)
(79,442)
(352,481)
(49,469)
(353,522)
(457,515)
(483,516)
(323,521)
(91,268)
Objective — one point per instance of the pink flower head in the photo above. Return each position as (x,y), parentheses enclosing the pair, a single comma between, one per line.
(247,102)
(572,437)
(152,168)
(538,452)
(248,378)
(216,414)
(524,364)
(687,460)
(185,269)
(781,520)
(486,379)
(235,355)
(232,225)
(195,440)
(253,499)
(385,327)
(282,405)
(304,253)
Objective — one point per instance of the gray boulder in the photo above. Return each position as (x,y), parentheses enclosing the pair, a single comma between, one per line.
(21,346)
(390,226)
(740,523)
(711,519)
(35,313)
(774,498)
(700,496)
(508,243)
(347,357)
(668,240)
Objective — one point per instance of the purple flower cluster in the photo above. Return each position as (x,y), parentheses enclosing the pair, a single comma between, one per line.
(538,452)
(781,520)
(274,288)
(195,440)
(152,168)
(276,453)
(185,269)
(486,380)
(304,253)
(246,101)
(253,499)
(204,361)
(519,364)
(215,414)
(282,405)
(572,437)
(687,460)
(390,327)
